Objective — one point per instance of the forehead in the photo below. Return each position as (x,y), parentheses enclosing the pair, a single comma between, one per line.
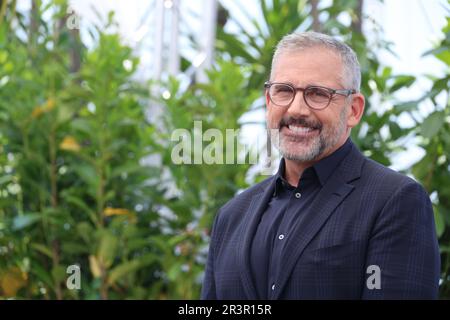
(316,65)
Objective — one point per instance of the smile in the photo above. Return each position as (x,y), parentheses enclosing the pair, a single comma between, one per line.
(299,131)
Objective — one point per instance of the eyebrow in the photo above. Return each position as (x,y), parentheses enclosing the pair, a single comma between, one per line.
(334,87)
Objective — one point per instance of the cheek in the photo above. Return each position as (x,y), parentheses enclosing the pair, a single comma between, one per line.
(273,116)
(332,116)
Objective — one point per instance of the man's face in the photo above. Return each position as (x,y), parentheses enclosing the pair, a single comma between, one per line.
(299,132)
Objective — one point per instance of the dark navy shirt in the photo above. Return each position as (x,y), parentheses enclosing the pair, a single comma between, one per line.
(284,208)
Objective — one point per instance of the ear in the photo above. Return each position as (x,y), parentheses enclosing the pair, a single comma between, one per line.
(356,110)
(266,93)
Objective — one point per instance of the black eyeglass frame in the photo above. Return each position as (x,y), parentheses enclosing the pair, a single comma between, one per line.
(332,92)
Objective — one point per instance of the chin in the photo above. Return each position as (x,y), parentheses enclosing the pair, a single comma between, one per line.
(305,154)
(307,150)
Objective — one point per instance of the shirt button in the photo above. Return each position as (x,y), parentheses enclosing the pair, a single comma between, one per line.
(281,236)
(273,287)
(298,195)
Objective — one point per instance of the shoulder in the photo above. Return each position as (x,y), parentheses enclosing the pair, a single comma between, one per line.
(389,187)
(372,178)
(377,173)
(376,183)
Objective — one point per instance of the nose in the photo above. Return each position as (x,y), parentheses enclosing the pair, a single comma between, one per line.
(298,107)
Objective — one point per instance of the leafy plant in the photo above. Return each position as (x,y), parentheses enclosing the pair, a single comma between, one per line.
(433,170)
(74,191)
(197,189)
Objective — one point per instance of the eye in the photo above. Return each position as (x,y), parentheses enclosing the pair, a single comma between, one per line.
(281,88)
(316,93)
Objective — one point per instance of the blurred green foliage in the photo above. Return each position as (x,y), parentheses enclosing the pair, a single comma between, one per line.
(73,190)
(76,130)
(433,170)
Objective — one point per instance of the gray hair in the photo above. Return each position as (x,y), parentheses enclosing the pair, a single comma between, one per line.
(310,39)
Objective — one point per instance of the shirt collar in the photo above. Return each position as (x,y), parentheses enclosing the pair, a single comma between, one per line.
(323,169)
(327,165)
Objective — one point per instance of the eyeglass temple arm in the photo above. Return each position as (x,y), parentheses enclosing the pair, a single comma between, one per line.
(345,92)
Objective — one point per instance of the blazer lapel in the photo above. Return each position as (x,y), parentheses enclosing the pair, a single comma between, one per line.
(332,194)
(250,223)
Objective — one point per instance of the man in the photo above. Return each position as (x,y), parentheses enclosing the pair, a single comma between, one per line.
(331,224)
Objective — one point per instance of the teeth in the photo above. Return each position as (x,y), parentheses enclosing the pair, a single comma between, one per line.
(300,129)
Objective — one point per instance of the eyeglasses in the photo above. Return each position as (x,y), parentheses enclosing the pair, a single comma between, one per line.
(316,97)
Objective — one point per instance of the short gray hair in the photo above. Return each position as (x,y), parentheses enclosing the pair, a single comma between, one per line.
(310,39)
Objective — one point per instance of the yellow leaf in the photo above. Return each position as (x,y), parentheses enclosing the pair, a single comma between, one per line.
(115,211)
(70,144)
(37,112)
(47,107)
(95,266)
(12,281)
(50,104)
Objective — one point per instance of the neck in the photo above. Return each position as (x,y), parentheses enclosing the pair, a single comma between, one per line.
(294,169)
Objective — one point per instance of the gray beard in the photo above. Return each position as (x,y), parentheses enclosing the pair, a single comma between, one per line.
(327,139)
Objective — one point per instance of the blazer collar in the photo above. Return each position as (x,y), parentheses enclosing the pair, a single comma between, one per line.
(250,223)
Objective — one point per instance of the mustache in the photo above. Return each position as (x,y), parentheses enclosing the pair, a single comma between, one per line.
(300,122)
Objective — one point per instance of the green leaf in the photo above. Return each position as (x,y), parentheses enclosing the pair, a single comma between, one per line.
(174,271)
(444,211)
(439,86)
(234,46)
(177,239)
(42,274)
(442,53)
(432,124)
(136,243)
(130,266)
(122,270)
(386,73)
(58,273)
(444,56)
(82,205)
(85,231)
(405,106)
(396,131)
(65,113)
(439,221)
(42,249)
(107,248)
(81,125)
(402,82)
(74,248)
(87,173)
(6,179)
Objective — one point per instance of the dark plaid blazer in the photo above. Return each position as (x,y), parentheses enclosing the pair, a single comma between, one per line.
(365,214)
